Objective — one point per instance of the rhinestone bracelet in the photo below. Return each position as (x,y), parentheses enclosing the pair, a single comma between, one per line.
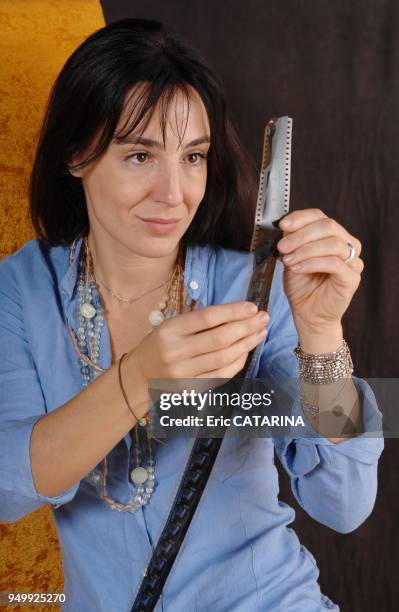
(324,368)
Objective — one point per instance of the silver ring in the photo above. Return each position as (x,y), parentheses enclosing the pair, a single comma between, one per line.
(352,252)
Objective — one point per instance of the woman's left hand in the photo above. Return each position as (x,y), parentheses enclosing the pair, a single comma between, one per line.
(321,289)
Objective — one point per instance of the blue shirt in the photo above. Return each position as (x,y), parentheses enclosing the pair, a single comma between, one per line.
(239,553)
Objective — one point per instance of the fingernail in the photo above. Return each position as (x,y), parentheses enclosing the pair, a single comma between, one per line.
(286,223)
(277,221)
(251,308)
(263,316)
(288,258)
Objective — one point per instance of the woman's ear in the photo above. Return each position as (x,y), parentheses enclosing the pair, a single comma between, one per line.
(76,166)
(74,169)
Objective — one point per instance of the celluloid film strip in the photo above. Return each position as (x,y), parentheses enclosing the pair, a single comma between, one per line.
(273,203)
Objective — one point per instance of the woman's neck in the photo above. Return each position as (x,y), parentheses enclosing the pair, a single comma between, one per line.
(125,273)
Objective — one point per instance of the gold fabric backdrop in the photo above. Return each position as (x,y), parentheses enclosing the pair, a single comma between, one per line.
(37,36)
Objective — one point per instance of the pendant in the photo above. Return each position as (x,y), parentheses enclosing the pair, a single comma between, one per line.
(87,310)
(139,475)
(156,317)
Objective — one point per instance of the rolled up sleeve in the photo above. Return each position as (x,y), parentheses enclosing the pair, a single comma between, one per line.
(22,404)
(336,484)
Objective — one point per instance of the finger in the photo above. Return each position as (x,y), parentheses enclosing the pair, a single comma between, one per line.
(356,264)
(217,360)
(211,316)
(299,218)
(317,230)
(227,372)
(319,248)
(217,338)
(333,265)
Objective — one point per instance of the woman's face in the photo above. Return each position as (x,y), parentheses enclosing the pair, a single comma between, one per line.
(140,179)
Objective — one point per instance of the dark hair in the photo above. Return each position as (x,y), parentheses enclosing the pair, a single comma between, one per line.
(87,101)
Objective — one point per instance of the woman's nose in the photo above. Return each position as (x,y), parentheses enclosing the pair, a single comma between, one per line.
(168,187)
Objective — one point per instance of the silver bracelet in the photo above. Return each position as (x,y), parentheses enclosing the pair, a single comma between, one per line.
(324,368)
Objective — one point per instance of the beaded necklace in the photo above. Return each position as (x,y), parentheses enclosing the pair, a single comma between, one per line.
(90,320)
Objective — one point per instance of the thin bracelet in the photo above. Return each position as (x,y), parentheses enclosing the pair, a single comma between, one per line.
(143,420)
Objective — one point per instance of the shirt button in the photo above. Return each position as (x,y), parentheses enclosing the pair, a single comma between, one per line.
(194,285)
(144,572)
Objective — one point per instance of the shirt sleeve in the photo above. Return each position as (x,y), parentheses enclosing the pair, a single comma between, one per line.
(22,404)
(336,484)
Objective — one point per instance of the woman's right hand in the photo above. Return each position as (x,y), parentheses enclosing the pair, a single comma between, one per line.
(212,342)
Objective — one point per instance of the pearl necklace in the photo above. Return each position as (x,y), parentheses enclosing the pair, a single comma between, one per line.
(90,323)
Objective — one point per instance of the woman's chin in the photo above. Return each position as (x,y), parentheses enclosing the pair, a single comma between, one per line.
(157,248)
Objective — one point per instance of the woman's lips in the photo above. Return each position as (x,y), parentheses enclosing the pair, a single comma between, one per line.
(160,228)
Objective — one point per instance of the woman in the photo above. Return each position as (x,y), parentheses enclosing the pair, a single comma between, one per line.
(142,197)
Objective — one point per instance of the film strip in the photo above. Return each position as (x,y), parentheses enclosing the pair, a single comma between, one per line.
(273,203)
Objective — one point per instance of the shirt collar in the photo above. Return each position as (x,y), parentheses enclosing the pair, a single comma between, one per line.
(195,271)
(68,281)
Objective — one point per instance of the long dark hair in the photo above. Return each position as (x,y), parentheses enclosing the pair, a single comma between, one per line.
(87,101)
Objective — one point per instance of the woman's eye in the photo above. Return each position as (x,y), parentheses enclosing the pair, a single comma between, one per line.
(140,157)
(193,158)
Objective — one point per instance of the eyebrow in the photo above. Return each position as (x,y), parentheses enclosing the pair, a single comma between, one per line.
(148,142)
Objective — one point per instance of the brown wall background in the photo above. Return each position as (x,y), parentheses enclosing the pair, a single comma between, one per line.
(334,67)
